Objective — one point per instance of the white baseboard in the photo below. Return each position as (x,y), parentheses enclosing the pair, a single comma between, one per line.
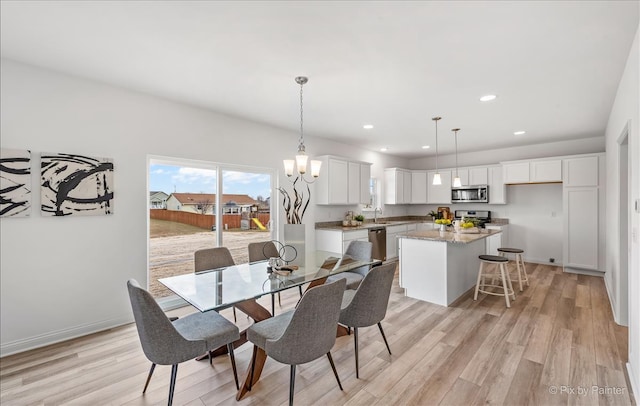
(611,303)
(53,337)
(635,385)
(583,272)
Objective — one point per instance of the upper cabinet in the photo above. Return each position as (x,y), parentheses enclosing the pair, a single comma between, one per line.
(478,176)
(581,171)
(437,194)
(495,181)
(534,171)
(418,187)
(340,181)
(397,186)
(463,173)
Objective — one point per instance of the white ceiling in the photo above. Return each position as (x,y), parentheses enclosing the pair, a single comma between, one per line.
(555,66)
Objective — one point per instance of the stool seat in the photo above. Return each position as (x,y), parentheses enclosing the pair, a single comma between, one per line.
(493,258)
(511,250)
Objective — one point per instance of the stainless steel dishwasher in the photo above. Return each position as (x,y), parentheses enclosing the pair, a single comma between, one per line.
(378,237)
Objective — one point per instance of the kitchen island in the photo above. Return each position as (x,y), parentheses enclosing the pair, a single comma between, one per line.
(439,267)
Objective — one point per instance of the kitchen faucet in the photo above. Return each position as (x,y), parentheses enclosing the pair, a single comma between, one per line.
(375,214)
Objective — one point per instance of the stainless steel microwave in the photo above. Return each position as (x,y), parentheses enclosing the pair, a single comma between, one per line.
(470,194)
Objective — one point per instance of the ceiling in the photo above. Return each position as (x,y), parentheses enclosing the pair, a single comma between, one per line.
(555,66)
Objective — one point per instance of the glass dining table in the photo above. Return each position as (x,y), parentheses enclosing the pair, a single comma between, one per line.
(240,286)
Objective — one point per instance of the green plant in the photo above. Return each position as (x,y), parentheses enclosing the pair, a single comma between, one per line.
(434,214)
(359,217)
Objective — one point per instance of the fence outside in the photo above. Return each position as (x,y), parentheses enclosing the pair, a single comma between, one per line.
(206,221)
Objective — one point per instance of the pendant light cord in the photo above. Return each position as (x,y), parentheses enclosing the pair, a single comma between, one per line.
(301,140)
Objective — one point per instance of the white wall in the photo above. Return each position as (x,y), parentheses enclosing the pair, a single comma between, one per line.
(626,112)
(64,277)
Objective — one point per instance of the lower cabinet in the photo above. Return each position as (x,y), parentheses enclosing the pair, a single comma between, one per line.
(337,240)
(498,240)
(392,240)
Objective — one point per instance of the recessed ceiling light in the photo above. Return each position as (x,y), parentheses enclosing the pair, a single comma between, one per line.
(488,97)
(426,147)
(367,126)
(383,149)
(518,132)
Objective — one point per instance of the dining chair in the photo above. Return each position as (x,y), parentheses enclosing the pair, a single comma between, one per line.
(169,343)
(302,335)
(263,250)
(213,258)
(360,250)
(367,305)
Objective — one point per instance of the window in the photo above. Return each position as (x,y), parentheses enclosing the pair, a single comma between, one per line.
(196,216)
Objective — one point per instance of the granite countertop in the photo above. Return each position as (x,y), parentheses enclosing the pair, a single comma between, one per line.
(447,236)
(337,226)
(393,221)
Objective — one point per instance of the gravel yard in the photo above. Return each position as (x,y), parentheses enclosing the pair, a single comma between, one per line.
(172,245)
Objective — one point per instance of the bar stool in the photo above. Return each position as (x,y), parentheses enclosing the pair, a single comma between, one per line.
(481,283)
(519,261)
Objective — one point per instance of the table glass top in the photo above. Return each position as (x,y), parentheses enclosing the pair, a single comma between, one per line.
(220,288)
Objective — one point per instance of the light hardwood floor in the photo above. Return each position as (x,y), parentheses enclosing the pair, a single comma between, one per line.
(559,335)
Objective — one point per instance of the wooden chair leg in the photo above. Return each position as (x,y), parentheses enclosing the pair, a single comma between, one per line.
(292,381)
(384,338)
(172,384)
(153,367)
(233,364)
(335,372)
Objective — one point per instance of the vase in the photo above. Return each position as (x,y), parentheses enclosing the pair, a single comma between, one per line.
(443,227)
(294,240)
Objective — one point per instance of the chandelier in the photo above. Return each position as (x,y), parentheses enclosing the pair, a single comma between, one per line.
(300,163)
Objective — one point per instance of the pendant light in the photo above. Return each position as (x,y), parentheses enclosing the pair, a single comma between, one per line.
(300,163)
(436,177)
(456,180)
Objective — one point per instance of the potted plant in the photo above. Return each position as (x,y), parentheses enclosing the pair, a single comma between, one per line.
(359,218)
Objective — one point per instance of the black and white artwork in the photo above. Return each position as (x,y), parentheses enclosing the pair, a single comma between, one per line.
(15,182)
(76,185)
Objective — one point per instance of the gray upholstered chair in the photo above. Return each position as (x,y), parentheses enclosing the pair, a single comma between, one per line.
(360,250)
(367,305)
(169,343)
(260,251)
(301,335)
(213,258)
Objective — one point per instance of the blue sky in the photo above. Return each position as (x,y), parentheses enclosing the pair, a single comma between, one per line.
(184,179)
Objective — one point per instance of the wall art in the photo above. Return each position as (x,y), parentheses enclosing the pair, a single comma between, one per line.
(76,185)
(15,182)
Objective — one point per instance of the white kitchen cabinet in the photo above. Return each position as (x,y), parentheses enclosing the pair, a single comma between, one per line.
(392,240)
(418,187)
(516,172)
(581,227)
(337,241)
(535,171)
(478,176)
(340,181)
(397,186)
(437,194)
(545,171)
(497,240)
(581,171)
(584,214)
(463,173)
(353,190)
(497,192)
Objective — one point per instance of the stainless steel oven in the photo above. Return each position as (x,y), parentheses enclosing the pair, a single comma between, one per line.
(470,194)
